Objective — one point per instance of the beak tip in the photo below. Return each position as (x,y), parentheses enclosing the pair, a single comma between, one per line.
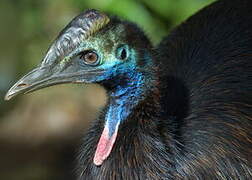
(8,96)
(16,89)
(12,92)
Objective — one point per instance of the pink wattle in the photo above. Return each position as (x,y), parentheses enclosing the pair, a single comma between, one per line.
(104,146)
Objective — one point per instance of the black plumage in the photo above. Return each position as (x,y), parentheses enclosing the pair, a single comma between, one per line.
(202,129)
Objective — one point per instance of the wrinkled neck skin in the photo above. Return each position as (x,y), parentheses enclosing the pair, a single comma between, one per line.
(123,98)
(127,90)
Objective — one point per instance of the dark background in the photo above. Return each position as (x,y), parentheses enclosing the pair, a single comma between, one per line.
(40,132)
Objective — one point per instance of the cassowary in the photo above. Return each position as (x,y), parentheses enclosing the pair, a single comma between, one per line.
(181,110)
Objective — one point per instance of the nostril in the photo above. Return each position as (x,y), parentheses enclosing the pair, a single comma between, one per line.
(22,85)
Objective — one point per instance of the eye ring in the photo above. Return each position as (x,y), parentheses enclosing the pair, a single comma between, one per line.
(90,57)
(122,52)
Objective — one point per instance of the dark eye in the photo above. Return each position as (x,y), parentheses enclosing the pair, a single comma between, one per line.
(122,52)
(89,57)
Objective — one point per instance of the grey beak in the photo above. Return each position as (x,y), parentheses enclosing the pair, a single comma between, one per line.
(30,82)
(44,77)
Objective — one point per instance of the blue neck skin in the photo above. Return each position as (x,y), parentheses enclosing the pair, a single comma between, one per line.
(123,98)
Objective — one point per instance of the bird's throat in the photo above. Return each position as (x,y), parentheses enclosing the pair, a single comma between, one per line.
(121,104)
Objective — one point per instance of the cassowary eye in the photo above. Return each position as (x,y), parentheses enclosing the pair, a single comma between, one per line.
(89,57)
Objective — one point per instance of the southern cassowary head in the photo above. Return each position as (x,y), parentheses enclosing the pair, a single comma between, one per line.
(91,48)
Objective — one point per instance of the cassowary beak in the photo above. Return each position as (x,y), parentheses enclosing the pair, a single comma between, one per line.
(42,77)
(37,79)
(34,80)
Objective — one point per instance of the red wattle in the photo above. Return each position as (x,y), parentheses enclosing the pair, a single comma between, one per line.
(104,146)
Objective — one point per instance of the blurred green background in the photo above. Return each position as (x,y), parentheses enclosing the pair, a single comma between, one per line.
(40,133)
